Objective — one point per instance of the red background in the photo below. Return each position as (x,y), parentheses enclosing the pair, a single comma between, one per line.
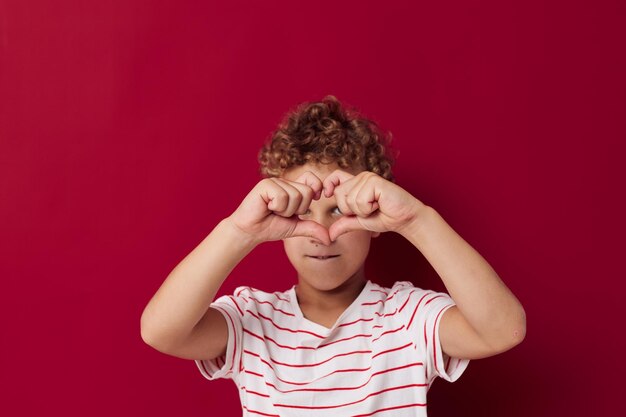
(128,129)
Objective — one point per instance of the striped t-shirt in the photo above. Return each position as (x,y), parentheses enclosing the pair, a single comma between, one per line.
(379,358)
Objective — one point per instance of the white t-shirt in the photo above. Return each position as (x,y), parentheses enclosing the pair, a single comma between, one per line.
(379,358)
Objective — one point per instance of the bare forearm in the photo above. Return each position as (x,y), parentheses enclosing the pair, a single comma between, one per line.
(481,296)
(185,295)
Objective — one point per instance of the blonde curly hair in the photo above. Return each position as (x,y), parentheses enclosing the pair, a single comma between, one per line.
(327,132)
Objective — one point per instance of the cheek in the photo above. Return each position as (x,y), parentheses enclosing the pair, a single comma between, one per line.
(288,245)
(358,242)
(293,248)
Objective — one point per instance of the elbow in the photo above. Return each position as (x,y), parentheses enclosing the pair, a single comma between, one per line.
(516,333)
(511,337)
(148,335)
(518,336)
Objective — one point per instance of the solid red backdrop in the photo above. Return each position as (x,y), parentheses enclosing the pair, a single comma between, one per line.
(128,129)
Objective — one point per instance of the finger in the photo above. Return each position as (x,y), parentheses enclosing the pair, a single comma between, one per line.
(313,181)
(275,196)
(351,198)
(341,192)
(336,178)
(312,229)
(366,198)
(344,225)
(307,194)
(342,203)
(293,200)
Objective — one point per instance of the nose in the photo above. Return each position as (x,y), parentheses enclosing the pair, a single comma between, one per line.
(324,220)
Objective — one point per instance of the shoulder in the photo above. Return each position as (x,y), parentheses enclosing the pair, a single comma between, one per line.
(253,300)
(390,299)
(410,299)
(258,295)
(246,293)
(403,291)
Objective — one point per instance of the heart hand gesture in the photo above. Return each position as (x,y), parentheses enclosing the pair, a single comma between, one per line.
(369,202)
(267,212)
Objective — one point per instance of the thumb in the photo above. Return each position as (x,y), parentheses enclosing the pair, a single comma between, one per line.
(344,225)
(312,229)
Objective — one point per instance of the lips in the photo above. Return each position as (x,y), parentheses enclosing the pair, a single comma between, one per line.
(322,257)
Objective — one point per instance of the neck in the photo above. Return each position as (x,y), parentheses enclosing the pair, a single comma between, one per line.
(338,298)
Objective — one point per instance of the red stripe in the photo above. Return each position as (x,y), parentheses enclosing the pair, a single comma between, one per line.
(235,336)
(204,368)
(310,382)
(392,295)
(415,310)
(344,339)
(254,373)
(355,321)
(392,350)
(386,315)
(259,412)
(435,343)
(253,334)
(241,290)
(390,408)
(407,300)
(275,294)
(309,364)
(373,303)
(284,328)
(273,307)
(349,388)
(384,292)
(254,392)
(264,338)
(433,299)
(320,407)
(387,332)
(261,359)
(236,305)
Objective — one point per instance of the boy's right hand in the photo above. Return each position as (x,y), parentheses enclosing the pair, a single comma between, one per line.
(267,212)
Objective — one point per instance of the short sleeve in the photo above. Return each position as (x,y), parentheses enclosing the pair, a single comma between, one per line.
(421,312)
(228,365)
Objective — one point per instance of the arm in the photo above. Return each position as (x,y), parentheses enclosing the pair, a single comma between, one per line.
(487,319)
(178,319)
(179,305)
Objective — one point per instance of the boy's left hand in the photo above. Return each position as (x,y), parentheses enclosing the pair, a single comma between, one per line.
(369,202)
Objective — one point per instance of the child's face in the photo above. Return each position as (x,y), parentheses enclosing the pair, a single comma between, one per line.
(352,247)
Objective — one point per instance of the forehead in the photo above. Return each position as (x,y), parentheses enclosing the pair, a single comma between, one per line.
(319,169)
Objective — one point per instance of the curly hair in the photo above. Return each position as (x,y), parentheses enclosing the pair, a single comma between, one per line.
(327,132)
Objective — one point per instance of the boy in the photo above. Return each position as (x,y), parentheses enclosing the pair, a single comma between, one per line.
(336,343)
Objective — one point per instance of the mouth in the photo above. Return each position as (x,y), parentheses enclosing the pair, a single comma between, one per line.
(322,258)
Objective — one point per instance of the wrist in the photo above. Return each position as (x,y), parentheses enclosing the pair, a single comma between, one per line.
(237,236)
(421,215)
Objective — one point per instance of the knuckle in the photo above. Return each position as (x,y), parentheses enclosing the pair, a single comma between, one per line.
(282,196)
(265,183)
